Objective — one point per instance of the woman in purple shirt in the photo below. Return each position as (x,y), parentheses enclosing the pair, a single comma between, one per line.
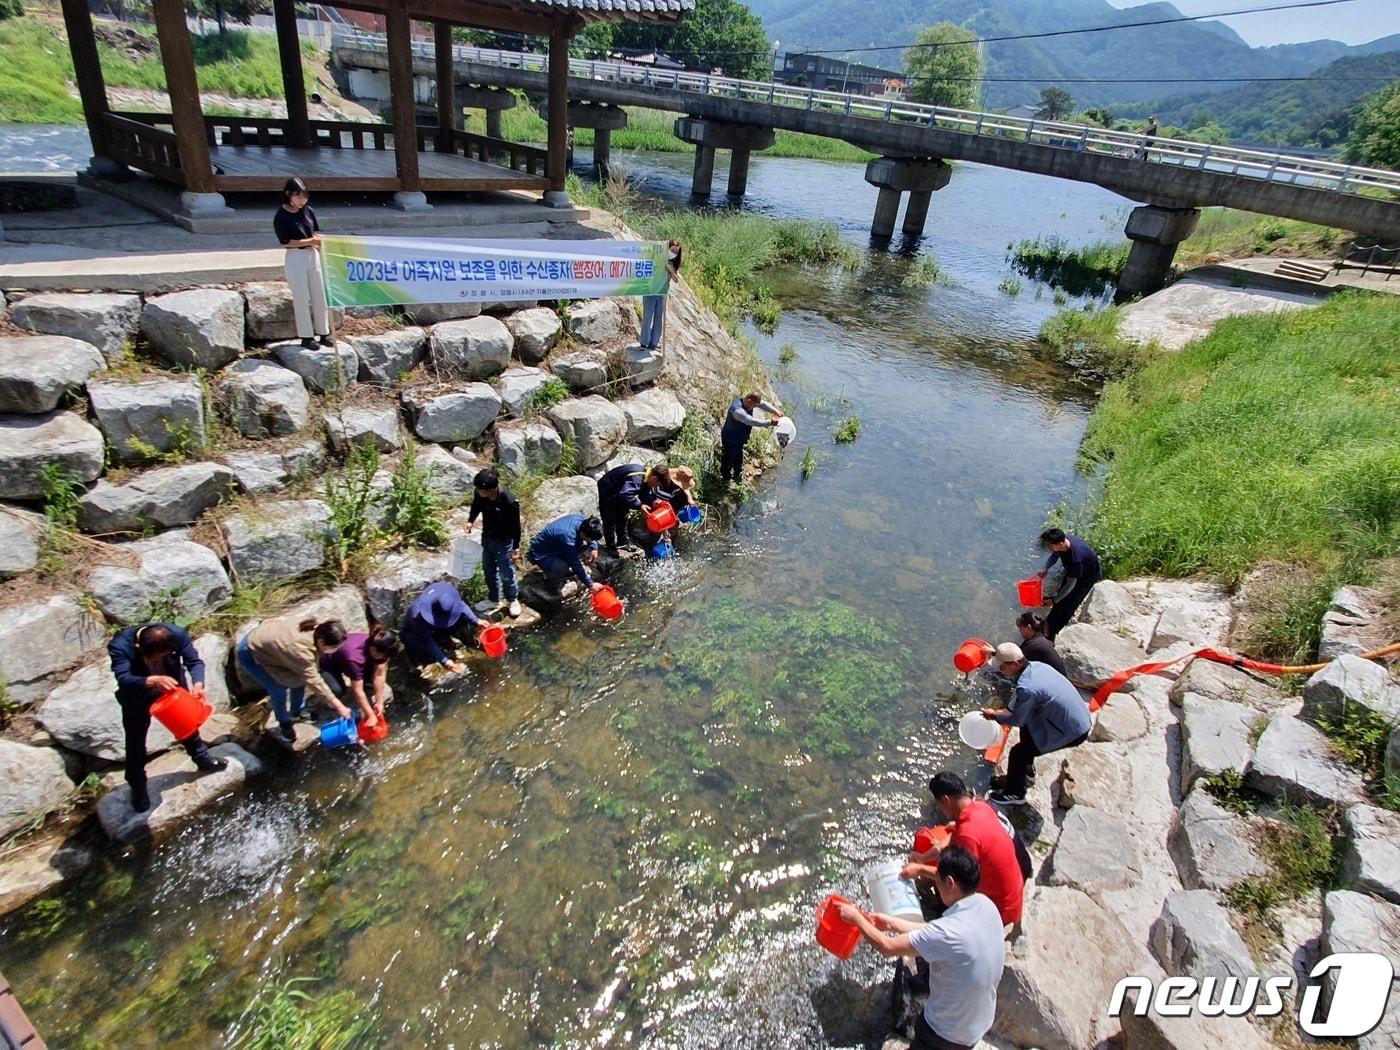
(363,655)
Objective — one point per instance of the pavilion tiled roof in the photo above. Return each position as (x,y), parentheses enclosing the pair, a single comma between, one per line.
(622,7)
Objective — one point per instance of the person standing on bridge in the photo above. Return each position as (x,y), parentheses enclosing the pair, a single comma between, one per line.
(298,231)
(1149,136)
(654,306)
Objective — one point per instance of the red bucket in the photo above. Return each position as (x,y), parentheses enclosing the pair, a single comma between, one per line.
(662,517)
(493,641)
(834,933)
(971,655)
(607,604)
(1030,592)
(181,712)
(926,839)
(378,731)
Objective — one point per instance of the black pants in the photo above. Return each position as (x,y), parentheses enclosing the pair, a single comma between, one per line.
(1067,606)
(614,513)
(417,649)
(1022,758)
(731,461)
(925,1038)
(136,721)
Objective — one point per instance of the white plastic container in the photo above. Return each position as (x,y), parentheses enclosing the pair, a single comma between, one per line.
(785,431)
(891,894)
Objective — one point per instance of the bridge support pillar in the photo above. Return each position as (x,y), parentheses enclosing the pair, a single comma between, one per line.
(603,119)
(1155,232)
(493,101)
(602,152)
(895,175)
(709,135)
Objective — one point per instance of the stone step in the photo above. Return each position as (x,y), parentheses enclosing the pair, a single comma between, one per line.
(1301,271)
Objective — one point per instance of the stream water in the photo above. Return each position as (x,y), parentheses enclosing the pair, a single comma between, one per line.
(616,836)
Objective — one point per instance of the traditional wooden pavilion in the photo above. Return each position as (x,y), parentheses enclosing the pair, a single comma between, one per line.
(208,156)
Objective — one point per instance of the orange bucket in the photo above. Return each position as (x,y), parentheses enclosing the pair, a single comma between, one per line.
(971,655)
(1030,592)
(181,712)
(834,933)
(662,517)
(926,839)
(607,604)
(378,731)
(493,640)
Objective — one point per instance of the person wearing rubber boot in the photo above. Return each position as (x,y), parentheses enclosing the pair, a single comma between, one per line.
(147,662)
(739,422)
(1082,571)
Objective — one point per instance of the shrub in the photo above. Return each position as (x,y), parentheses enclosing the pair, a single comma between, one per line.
(848,431)
(415,511)
(548,394)
(351,498)
(1091,270)
(1087,342)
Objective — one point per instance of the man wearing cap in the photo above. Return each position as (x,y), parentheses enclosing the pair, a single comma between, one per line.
(1048,710)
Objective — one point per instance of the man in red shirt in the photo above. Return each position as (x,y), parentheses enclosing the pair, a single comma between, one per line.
(975,826)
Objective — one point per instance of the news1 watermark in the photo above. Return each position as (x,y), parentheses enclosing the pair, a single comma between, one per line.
(1360,987)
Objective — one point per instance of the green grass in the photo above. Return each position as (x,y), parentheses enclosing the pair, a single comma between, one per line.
(1091,270)
(848,431)
(1359,737)
(1225,233)
(1276,437)
(1299,851)
(287,1017)
(1087,342)
(33,77)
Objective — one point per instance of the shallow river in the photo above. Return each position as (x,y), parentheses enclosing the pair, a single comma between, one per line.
(616,836)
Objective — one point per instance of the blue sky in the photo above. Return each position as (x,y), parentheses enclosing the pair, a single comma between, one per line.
(1354,22)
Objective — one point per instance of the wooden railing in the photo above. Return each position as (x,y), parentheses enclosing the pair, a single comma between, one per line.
(529,159)
(136,141)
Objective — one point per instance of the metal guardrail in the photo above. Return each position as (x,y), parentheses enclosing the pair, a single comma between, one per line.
(1247,163)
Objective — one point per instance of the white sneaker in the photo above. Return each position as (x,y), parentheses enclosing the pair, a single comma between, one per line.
(514,607)
(487,606)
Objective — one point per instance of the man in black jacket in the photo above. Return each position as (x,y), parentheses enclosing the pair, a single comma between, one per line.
(148,662)
(622,490)
(500,540)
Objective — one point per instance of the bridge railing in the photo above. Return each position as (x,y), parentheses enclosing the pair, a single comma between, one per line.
(1255,164)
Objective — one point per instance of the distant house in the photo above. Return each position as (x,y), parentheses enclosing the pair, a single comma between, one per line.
(833,74)
(1023,112)
(655,59)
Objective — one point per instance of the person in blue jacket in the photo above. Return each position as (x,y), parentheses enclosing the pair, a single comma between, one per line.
(147,662)
(562,547)
(438,617)
(1082,571)
(739,422)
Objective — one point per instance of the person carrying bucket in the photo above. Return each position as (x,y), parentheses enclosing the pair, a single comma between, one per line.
(561,548)
(963,948)
(363,655)
(437,618)
(621,491)
(500,540)
(282,654)
(739,422)
(1082,571)
(1047,708)
(147,662)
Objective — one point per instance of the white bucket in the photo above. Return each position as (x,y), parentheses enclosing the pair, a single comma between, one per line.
(785,431)
(891,894)
(978,732)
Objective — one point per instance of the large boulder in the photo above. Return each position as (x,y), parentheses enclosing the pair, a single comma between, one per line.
(214,649)
(1354,623)
(356,426)
(1217,736)
(260,472)
(593,425)
(186,574)
(400,577)
(1195,622)
(528,448)
(473,349)
(1294,761)
(199,328)
(559,496)
(641,365)
(28,444)
(324,369)
(178,791)
(647,457)
(449,478)
(1110,605)
(595,320)
(535,332)
(106,320)
(21,533)
(161,498)
(32,784)
(1371,858)
(36,868)
(1349,685)
(1093,654)
(652,416)
(42,640)
(518,386)
(156,414)
(1120,719)
(278,540)
(581,372)
(386,357)
(1212,848)
(1193,938)
(444,414)
(265,400)
(39,371)
(1222,682)
(1145,1029)
(1054,993)
(436,313)
(1354,922)
(268,312)
(1094,853)
(83,715)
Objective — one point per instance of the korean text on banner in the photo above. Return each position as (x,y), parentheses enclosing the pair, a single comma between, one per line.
(392,271)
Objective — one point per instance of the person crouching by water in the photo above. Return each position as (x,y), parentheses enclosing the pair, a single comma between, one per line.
(654,306)
(1048,710)
(148,662)
(963,948)
(362,656)
(283,656)
(298,231)
(438,617)
(1037,648)
(563,546)
(734,435)
(622,490)
(500,540)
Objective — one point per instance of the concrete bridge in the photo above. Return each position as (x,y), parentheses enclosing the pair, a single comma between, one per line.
(1170,179)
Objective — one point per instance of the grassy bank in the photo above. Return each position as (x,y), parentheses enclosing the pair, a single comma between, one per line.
(1274,439)
(1225,233)
(1087,342)
(1091,270)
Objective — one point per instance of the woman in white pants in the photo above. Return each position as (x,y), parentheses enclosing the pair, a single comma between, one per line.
(299,232)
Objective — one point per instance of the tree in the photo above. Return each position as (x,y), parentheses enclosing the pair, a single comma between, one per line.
(222,11)
(1375,133)
(718,34)
(1100,116)
(1055,103)
(944,66)
(10,9)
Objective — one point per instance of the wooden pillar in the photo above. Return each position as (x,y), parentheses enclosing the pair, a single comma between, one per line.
(182,85)
(284,16)
(402,97)
(556,166)
(87,69)
(448,112)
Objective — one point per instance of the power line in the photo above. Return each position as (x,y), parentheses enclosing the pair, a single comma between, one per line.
(1156,80)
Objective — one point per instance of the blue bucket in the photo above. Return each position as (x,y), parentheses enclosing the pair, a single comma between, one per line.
(690,514)
(662,551)
(340,733)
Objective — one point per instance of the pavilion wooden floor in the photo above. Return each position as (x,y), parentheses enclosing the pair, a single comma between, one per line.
(267,168)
